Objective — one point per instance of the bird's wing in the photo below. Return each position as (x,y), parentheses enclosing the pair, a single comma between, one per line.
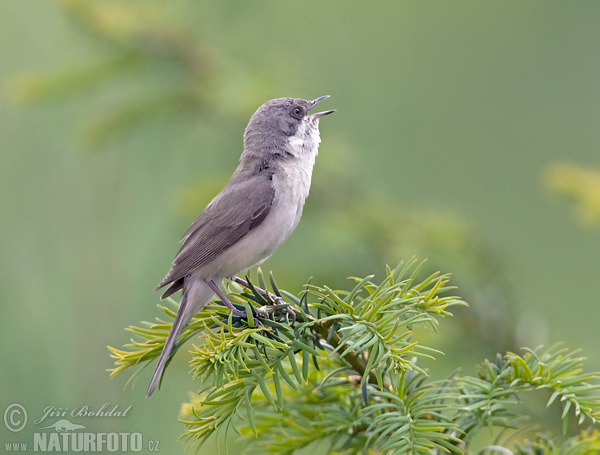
(238,209)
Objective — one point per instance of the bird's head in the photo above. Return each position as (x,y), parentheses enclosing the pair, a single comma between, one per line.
(284,124)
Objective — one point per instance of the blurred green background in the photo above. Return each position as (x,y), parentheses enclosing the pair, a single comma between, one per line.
(466,133)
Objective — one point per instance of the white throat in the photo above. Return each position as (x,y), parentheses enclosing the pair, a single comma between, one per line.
(307,139)
(304,145)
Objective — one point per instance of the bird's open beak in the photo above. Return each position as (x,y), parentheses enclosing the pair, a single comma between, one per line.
(320,114)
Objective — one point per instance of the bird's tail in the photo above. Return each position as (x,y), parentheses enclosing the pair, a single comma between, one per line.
(196,293)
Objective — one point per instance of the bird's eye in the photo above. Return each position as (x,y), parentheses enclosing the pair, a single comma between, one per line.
(297,112)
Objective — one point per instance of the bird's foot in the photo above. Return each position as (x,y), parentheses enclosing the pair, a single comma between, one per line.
(281,310)
(280,306)
(261,312)
(237,313)
(234,311)
(257,312)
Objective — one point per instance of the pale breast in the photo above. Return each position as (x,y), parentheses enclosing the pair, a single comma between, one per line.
(292,185)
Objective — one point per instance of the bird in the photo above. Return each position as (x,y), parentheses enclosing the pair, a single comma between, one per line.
(254,214)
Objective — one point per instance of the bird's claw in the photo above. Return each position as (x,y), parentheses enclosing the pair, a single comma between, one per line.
(290,312)
(287,309)
(261,312)
(278,306)
(281,307)
(239,313)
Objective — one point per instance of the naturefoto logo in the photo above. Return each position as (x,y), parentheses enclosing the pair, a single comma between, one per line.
(67,437)
(64,425)
(70,435)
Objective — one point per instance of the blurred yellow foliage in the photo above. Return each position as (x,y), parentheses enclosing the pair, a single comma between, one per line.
(116,21)
(150,65)
(579,184)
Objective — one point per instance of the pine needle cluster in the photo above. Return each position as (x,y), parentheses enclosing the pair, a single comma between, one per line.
(341,368)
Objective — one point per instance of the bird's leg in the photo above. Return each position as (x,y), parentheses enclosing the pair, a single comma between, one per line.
(228,304)
(225,300)
(275,298)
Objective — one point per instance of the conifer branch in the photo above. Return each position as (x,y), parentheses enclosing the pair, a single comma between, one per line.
(343,366)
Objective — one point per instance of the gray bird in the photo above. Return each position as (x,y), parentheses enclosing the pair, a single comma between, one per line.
(251,217)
